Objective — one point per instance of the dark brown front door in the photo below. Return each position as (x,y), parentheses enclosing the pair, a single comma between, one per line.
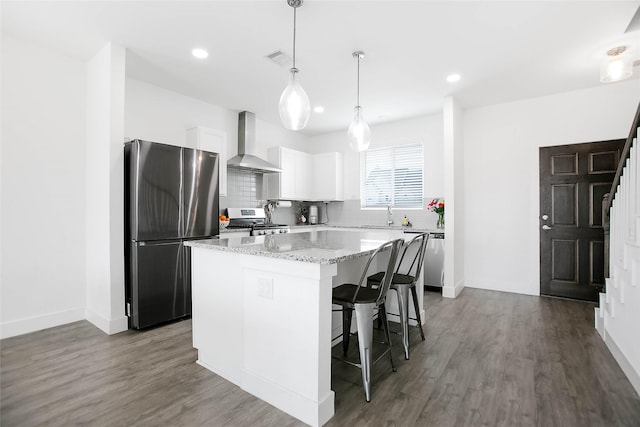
(573,180)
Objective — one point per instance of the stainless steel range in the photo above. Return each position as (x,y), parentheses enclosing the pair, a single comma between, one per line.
(253,219)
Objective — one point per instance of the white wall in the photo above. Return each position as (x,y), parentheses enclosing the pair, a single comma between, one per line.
(160,115)
(502,181)
(427,130)
(43,197)
(104,188)
(454,195)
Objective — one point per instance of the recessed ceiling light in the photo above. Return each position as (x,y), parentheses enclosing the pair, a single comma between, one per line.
(453,78)
(318,109)
(200,53)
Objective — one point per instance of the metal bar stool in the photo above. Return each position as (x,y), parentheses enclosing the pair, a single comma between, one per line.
(364,300)
(405,281)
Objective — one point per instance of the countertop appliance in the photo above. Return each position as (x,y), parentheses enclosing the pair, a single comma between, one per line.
(313,214)
(171,195)
(253,219)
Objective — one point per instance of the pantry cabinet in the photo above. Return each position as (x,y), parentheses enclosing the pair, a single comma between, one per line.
(207,139)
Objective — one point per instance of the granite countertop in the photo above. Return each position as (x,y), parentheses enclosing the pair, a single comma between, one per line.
(343,226)
(371,227)
(315,246)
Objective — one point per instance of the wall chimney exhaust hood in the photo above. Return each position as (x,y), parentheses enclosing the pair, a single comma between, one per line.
(246,145)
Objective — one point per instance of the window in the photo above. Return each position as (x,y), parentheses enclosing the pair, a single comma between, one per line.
(392,175)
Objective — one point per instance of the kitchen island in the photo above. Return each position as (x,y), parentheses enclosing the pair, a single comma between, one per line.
(262,314)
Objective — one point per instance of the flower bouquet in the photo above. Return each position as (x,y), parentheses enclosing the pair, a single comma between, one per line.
(437,206)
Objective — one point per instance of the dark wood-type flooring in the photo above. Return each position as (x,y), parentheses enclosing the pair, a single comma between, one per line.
(490,359)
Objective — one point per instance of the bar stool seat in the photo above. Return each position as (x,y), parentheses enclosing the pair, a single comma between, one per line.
(398,279)
(364,300)
(345,293)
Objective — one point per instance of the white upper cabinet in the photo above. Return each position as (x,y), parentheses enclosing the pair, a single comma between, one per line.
(327,176)
(310,177)
(208,139)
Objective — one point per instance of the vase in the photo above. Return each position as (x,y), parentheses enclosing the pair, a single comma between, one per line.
(440,223)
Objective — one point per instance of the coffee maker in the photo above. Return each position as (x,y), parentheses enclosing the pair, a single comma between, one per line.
(313,214)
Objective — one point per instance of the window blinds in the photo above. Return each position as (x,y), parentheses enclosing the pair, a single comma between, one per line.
(392,176)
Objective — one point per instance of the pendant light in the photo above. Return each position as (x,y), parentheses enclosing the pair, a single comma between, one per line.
(616,66)
(294,102)
(359,132)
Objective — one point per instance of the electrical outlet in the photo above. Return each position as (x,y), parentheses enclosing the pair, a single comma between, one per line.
(265,287)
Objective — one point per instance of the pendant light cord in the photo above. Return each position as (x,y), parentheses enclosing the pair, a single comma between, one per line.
(294,36)
(358,85)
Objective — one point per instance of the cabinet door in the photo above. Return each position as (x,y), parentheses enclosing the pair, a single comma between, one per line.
(208,139)
(304,175)
(289,173)
(327,176)
(160,286)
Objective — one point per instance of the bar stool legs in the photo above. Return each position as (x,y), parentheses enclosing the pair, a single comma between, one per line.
(414,294)
(403,308)
(364,320)
(346,330)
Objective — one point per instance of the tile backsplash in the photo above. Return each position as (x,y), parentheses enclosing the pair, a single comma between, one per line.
(244,188)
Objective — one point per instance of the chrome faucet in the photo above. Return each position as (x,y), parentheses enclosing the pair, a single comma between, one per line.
(389,215)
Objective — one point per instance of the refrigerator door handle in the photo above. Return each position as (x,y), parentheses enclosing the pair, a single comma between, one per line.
(154,243)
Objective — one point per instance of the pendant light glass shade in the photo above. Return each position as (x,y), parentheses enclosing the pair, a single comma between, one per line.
(359,132)
(616,65)
(295,108)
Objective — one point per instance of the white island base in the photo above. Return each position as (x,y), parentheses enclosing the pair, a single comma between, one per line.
(262,313)
(265,325)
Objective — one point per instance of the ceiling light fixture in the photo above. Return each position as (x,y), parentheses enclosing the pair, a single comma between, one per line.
(359,132)
(452,78)
(318,109)
(616,66)
(200,53)
(294,103)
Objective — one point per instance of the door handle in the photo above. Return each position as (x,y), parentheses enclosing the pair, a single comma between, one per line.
(546,227)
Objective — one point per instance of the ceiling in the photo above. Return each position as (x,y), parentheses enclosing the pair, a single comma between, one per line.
(504,50)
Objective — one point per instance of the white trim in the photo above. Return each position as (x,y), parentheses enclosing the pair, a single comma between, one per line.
(448,292)
(314,413)
(37,323)
(625,365)
(108,326)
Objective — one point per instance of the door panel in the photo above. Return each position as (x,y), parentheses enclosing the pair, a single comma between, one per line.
(573,180)
(563,200)
(200,181)
(154,193)
(159,291)
(565,256)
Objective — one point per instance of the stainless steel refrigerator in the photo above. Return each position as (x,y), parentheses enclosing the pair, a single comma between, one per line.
(171,196)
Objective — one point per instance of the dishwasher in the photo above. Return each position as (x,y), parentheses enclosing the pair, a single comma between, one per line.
(434,261)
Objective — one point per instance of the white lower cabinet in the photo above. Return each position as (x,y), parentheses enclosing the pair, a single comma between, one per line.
(207,139)
(309,177)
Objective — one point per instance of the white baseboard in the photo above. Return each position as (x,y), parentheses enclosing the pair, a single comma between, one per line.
(598,321)
(632,374)
(314,413)
(108,326)
(37,323)
(449,292)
